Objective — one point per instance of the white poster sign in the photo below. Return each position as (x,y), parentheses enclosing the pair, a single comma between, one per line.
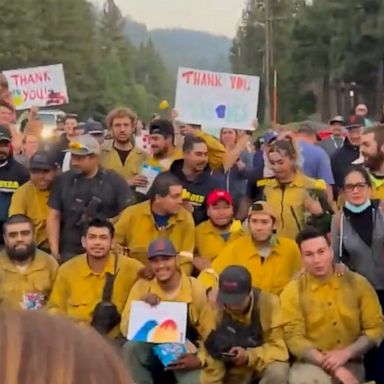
(38,86)
(217,99)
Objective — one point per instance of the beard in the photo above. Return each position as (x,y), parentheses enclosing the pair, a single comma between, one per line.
(21,255)
(374,163)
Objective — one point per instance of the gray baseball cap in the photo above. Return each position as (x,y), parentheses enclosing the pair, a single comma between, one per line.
(84,145)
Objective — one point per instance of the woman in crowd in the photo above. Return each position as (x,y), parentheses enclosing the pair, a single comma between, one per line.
(358,242)
(296,198)
(39,349)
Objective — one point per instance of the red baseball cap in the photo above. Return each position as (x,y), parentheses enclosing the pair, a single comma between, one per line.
(217,195)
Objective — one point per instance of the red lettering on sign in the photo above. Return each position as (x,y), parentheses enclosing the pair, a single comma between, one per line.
(35,94)
(240,83)
(35,78)
(201,79)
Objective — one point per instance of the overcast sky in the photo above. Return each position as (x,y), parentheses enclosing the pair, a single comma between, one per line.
(216,16)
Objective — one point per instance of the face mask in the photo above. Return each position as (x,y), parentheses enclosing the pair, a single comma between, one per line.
(357,208)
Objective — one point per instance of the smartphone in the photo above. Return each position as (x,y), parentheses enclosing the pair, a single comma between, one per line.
(228,355)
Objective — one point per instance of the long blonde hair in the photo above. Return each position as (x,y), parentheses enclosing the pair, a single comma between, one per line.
(36,348)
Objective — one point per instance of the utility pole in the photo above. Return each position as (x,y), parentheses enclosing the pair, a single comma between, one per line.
(267,57)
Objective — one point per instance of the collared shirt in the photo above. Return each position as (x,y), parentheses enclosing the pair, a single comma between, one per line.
(30,201)
(110,159)
(273,347)
(329,315)
(28,288)
(77,289)
(165,164)
(288,201)
(377,192)
(270,275)
(209,241)
(136,229)
(191,292)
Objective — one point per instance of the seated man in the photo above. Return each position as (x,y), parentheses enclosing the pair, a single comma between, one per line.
(247,343)
(31,199)
(330,320)
(272,260)
(213,235)
(26,273)
(82,283)
(169,284)
(161,216)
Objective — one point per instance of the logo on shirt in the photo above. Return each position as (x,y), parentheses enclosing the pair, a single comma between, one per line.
(8,186)
(193,198)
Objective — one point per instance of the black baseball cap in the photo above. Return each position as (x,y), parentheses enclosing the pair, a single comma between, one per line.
(93,127)
(235,284)
(5,133)
(161,247)
(43,161)
(161,127)
(355,121)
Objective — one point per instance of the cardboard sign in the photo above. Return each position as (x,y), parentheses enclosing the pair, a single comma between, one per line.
(216,99)
(164,323)
(38,86)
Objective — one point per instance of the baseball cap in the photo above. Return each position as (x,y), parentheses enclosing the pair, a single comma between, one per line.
(161,127)
(269,137)
(217,195)
(261,207)
(41,160)
(161,247)
(84,145)
(235,284)
(337,119)
(5,133)
(93,127)
(355,121)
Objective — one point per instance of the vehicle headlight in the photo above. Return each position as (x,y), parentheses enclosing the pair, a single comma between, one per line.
(46,133)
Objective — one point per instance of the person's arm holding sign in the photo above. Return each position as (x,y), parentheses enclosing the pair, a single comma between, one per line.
(138,293)
(231,157)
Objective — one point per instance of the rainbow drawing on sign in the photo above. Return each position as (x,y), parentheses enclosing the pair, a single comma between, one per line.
(153,332)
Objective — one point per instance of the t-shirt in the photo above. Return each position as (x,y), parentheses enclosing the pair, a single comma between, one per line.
(225,235)
(104,196)
(316,162)
(12,176)
(161,221)
(122,154)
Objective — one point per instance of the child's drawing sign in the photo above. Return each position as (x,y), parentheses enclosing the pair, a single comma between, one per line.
(164,323)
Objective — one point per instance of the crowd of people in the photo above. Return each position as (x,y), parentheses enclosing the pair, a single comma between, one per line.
(276,247)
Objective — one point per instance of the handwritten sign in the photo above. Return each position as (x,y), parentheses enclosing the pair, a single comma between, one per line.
(38,86)
(217,99)
(164,323)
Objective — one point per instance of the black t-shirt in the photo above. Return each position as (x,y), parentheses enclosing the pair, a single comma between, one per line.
(78,199)
(122,154)
(12,176)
